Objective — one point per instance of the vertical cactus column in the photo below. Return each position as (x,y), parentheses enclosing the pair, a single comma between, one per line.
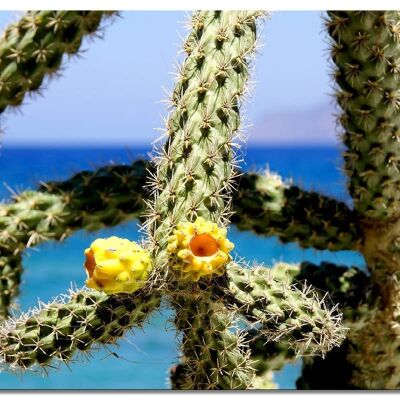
(194,172)
(366,51)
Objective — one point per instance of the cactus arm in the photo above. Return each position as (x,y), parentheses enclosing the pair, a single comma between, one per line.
(91,200)
(114,194)
(284,312)
(351,288)
(194,173)
(365,50)
(268,206)
(10,278)
(32,49)
(54,332)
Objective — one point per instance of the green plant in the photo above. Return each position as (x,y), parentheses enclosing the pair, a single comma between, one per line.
(239,327)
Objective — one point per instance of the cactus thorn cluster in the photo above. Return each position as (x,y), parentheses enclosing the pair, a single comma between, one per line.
(237,325)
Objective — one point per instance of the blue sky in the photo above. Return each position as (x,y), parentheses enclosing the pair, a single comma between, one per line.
(112,95)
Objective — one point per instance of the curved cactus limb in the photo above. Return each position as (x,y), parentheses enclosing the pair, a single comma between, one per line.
(284,312)
(78,322)
(268,206)
(115,193)
(33,48)
(89,200)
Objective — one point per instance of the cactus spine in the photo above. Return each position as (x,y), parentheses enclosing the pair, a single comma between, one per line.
(114,194)
(33,48)
(76,322)
(193,177)
(366,53)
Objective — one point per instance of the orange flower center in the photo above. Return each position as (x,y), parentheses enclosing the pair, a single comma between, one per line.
(90,263)
(203,245)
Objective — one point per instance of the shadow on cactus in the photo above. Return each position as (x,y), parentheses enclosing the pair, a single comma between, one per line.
(237,324)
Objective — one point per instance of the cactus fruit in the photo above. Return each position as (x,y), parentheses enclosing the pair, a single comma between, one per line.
(236,325)
(199,249)
(116,265)
(33,48)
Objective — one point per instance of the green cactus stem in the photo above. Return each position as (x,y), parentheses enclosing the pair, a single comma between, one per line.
(33,48)
(295,315)
(193,178)
(89,200)
(215,353)
(79,322)
(268,206)
(10,278)
(366,52)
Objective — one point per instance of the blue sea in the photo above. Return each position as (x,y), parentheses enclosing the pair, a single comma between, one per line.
(142,359)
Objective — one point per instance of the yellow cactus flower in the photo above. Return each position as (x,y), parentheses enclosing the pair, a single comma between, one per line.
(116,265)
(199,249)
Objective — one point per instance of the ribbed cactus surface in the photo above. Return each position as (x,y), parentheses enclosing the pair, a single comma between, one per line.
(88,200)
(33,48)
(268,206)
(193,175)
(77,323)
(366,53)
(10,278)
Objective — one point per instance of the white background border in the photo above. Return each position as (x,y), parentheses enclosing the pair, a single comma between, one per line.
(272,5)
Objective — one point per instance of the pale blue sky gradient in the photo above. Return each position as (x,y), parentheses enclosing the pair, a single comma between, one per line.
(112,94)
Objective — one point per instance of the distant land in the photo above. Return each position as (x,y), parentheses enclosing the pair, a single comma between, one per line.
(286,128)
(315,126)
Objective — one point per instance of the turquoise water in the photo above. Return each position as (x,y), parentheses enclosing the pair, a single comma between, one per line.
(142,359)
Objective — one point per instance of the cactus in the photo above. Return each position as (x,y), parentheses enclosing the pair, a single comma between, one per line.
(33,48)
(237,325)
(114,194)
(78,321)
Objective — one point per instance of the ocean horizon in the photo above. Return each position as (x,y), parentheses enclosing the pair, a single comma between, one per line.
(142,359)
